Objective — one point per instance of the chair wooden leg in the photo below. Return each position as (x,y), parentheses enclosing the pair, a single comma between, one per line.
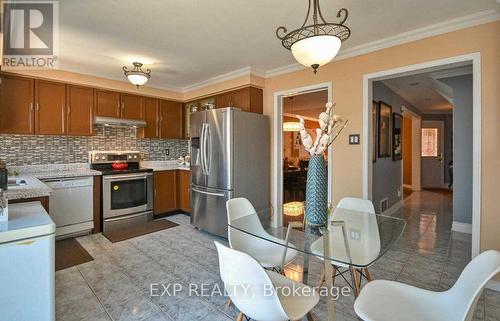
(322,279)
(355,282)
(239,317)
(334,275)
(368,275)
(229,303)
(309,316)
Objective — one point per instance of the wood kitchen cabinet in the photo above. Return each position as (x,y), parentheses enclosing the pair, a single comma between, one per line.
(151,116)
(170,118)
(50,108)
(16,105)
(184,190)
(248,99)
(165,191)
(107,103)
(132,106)
(80,110)
(224,100)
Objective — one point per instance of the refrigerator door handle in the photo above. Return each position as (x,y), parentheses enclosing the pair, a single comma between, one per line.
(209,149)
(202,148)
(208,193)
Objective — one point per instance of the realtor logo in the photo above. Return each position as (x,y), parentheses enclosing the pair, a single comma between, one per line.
(30,34)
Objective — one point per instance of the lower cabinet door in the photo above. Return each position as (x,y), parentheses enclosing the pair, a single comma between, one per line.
(165,186)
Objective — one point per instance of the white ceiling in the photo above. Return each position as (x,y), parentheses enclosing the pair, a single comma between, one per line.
(189,41)
(425,92)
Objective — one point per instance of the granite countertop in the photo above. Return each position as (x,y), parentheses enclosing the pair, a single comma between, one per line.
(83,172)
(34,188)
(157,166)
(34,173)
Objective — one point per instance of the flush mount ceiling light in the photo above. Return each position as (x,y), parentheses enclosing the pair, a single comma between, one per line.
(291,126)
(314,45)
(137,76)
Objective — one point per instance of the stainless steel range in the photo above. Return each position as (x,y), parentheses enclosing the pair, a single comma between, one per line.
(127,189)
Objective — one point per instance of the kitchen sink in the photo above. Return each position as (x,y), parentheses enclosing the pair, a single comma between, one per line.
(12,182)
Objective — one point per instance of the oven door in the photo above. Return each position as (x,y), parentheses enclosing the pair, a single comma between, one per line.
(127,194)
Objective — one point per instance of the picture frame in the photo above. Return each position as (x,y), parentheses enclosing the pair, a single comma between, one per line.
(397,137)
(374,130)
(384,120)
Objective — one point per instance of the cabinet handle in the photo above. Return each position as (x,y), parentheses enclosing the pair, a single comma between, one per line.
(37,107)
(69,109)
(31,106)
(155,191)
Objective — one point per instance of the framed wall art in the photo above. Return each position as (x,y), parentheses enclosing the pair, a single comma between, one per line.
(397,137)
(384,117)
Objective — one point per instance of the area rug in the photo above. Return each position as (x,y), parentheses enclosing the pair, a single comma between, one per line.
(138,230)
(70,253)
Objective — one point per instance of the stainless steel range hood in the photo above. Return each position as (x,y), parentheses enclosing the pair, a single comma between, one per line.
(119,122)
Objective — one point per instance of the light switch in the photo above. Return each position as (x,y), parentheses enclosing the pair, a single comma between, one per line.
(354,139)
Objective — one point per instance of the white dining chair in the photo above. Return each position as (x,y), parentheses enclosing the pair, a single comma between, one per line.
(262,294)
(267,250)
(353,204)
(383,300)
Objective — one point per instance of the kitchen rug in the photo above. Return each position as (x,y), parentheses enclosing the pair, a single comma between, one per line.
(138,230)
(70,253)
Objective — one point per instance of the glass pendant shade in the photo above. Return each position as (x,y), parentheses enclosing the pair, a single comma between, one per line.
(137,79)
(316,51)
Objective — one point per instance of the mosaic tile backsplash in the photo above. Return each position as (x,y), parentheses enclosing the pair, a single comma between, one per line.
(41,150)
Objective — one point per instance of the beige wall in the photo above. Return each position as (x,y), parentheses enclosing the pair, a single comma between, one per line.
(224,86)
(346,76)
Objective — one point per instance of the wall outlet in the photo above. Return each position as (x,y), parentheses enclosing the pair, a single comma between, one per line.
(167,151)
(399,192)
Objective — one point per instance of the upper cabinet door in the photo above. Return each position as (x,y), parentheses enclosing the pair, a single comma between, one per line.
(50,108)
(79,110)
(170,119)
(224,100)
(16,105)
(132,106)
(241,99)
(151,117)
(107,103)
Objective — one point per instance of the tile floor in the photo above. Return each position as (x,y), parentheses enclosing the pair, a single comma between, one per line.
(116,285)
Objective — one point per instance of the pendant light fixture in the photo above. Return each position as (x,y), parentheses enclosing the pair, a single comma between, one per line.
(314,45)
(137,76)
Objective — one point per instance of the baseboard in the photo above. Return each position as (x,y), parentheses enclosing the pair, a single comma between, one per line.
(394,208)
(412,187)
(461,227)
(493,285)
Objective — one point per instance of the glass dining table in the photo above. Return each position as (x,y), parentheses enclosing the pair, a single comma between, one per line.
(351,240)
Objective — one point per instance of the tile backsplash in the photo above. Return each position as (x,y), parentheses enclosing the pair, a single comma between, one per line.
(18,150)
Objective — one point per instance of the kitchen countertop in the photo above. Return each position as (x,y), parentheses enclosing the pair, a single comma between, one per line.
(34,173)
(158,166)
(34,188)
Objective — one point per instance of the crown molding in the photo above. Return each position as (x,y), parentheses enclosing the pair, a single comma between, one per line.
(468,21)
(246,71)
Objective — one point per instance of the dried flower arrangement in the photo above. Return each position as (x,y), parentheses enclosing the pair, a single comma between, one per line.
(330,127)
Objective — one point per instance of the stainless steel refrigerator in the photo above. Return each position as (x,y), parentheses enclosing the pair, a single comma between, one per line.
(229,159)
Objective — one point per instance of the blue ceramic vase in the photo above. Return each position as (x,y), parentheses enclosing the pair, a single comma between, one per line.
(316,192)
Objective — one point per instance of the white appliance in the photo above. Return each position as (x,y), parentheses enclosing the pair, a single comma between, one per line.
(27,268)
(71,206)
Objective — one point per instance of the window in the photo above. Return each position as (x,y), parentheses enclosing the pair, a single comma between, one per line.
(429,142)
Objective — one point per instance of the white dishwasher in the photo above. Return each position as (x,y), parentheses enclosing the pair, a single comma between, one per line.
(71,206)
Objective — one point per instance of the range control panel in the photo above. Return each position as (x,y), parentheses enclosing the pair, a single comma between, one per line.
(106,157)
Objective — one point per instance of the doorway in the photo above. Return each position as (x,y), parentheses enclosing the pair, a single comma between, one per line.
(308,106)
(444,66)
(303,101)
(433,136)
